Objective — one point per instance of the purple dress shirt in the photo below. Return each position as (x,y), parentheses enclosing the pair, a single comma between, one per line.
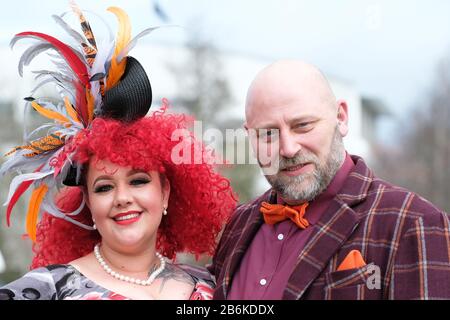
(268,263)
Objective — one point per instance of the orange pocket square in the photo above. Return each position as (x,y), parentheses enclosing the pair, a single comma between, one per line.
(353,260)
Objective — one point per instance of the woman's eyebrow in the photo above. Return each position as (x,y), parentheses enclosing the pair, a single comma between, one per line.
(103,177)
(134,171)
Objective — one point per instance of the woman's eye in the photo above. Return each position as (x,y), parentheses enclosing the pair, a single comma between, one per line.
(136,182)
(104,188)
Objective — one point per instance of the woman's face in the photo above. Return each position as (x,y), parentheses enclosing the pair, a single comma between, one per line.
(126,205)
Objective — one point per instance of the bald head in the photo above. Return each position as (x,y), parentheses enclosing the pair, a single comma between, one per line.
(288,79)
(295,121)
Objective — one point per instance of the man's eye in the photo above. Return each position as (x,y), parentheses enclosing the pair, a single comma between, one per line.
(304,126)
(136,182)
(103,188)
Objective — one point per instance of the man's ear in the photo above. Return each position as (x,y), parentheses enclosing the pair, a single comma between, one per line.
(342,117)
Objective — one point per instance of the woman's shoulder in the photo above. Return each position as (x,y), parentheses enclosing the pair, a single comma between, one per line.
(203,281)
(197,272)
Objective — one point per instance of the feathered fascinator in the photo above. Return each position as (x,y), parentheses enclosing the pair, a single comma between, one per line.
(94,80)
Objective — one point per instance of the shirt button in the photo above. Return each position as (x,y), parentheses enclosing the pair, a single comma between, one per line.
(280,236)
(263,282)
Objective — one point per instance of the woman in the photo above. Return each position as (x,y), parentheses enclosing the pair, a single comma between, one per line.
(128,202)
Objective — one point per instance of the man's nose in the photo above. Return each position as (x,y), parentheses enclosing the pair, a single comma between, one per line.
(289,146)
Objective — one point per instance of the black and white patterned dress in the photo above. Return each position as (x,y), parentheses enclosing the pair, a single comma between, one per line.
(64,282)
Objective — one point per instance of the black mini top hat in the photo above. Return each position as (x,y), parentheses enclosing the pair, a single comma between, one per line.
(130,99)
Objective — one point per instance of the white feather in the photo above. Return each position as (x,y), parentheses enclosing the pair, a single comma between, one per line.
(17,161)
(49,206)
(73,33)
(18,180)
(31,53)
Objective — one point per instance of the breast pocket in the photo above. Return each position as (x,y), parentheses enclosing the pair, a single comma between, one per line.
(353,284)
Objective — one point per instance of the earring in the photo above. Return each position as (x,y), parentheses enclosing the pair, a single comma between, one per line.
(94,226)
(165,212)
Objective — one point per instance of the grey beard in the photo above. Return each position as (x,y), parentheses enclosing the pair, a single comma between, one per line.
(319,179)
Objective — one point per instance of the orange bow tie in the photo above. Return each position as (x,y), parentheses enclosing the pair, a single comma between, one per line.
(274,213)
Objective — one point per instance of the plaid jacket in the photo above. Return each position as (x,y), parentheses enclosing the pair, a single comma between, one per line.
(403,238)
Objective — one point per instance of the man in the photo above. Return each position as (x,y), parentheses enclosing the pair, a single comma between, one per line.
(346,234)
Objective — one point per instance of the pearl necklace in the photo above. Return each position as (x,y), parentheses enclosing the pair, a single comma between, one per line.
(119,276)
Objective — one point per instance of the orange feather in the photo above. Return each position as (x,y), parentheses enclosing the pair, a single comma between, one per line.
(123,38)
(70,110)
(90,105)
(33,210)
(49,113)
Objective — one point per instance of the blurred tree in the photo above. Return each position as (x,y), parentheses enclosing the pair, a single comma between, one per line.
(422,162)
(204,91)
(15,249)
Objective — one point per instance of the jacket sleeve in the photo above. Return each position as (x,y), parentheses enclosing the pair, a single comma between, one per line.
(220,255)
(421,267)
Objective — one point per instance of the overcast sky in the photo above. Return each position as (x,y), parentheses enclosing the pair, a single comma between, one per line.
(387,49)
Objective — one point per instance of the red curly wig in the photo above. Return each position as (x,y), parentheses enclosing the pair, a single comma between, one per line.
(200,202)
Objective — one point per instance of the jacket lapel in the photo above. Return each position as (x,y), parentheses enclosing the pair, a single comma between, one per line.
(330,232)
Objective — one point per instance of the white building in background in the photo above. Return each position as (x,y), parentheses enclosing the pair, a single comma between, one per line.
(238,69)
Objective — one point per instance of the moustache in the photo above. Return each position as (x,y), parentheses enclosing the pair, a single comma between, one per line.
(298,159)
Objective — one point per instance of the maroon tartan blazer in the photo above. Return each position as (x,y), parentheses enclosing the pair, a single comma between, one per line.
(404,235)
